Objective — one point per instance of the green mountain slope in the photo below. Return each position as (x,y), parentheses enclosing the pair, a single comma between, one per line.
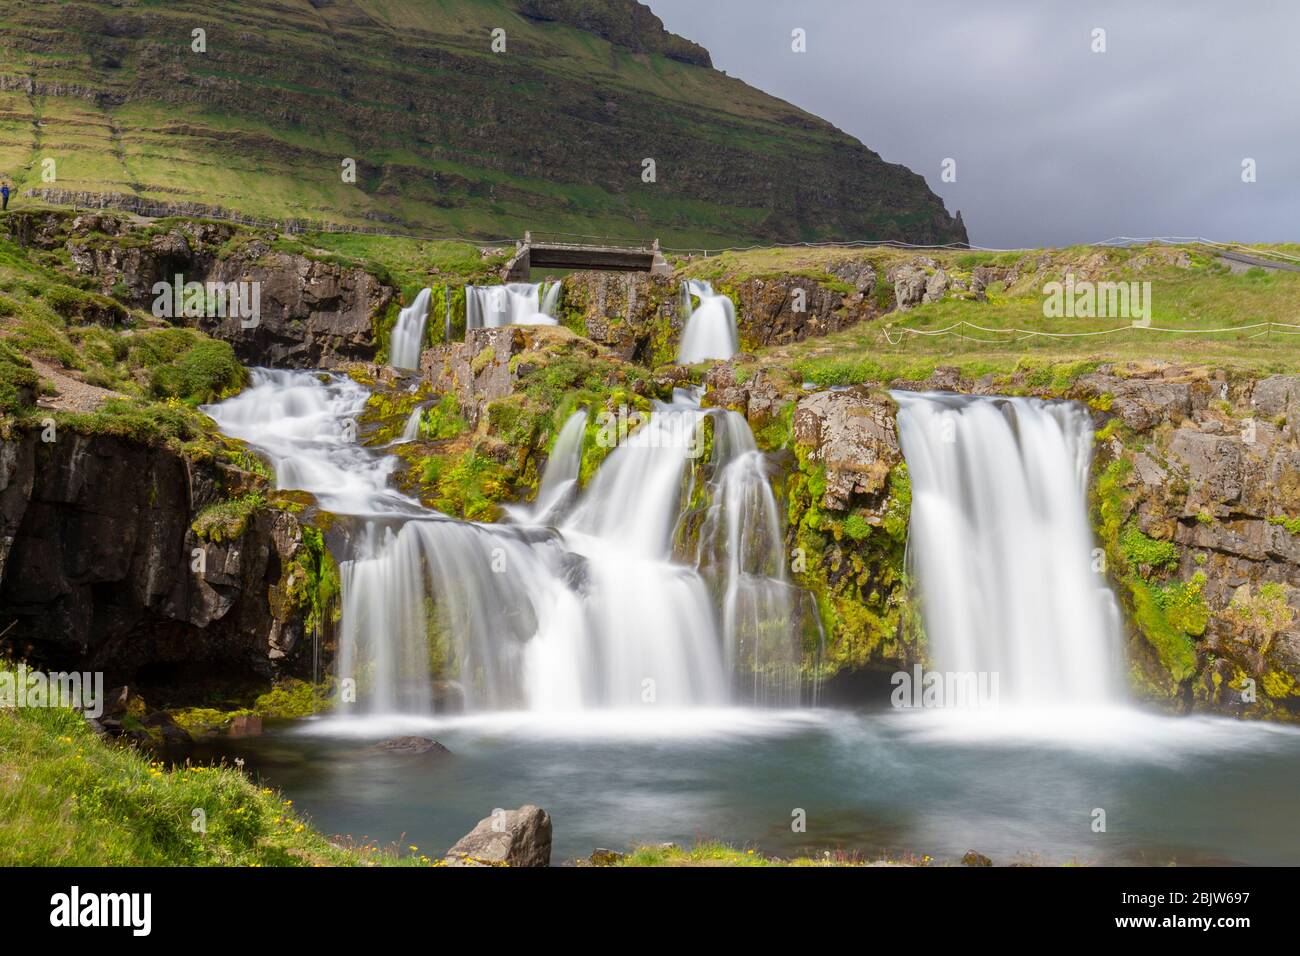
(449,137)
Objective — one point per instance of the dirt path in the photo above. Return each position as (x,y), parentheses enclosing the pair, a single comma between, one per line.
(71,394)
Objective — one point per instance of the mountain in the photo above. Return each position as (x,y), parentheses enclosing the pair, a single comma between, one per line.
(448,136)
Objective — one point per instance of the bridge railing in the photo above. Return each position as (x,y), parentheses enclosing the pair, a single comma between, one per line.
(577,241)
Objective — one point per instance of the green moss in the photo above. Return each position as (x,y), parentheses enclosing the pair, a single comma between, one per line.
(482,360)
(227,520)
(469,486)
(856,527)
(1292,525)
(1183,604)
(206,372)
(1172,645)
(443,420)
(313,580)
(1141,550)
(1266,610)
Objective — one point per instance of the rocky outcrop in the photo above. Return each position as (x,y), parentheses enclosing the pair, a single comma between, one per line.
(852,435)
(509,837)
(640,317)
(625,23)
(1201,502)
(919,281)
(312,313)
(783,309)
(102,569)
(636,315)
(478,370)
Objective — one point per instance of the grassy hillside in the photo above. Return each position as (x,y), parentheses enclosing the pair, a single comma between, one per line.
(449,137)
(1213,310)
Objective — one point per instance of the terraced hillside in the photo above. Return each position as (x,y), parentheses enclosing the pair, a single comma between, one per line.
(112,99)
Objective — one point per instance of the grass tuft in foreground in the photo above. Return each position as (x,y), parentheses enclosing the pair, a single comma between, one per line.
(68,798)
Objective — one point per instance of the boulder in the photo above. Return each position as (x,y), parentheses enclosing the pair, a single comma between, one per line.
(852,433)
(511,837)
(411,746)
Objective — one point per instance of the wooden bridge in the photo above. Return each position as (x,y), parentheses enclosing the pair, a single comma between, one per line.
(560,251)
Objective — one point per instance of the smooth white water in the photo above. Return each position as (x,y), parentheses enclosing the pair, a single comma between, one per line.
(1002,550)
(411,430)
(408,333)
(711,327)
(602,611)
(517,303)
(559,485)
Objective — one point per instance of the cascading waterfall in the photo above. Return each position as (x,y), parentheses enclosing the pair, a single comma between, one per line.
(1001,547)
(517,303)
(411,430)
(603,610)
(559,484)
(408,333)
(711,326)
(741,550)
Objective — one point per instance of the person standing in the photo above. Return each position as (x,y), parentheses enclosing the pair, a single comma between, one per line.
(4,194)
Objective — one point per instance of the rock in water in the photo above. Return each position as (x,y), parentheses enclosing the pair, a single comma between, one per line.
(975,859)
(411,745)
(514,837)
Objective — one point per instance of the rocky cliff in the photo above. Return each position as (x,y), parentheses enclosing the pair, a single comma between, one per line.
(150,563)
(313,313)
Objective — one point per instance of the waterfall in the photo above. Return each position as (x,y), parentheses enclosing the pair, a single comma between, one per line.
(408,333)
(711,326)
(411,430)
(518,303)
(604,610)
(741,550)
(1001,547)
(559,482)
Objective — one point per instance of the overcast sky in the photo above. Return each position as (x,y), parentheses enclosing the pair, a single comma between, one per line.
(1054,144)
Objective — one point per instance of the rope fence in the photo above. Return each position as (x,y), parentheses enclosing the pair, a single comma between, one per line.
(1021,335)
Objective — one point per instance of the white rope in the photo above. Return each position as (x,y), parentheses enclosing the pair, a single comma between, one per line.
(1023,334)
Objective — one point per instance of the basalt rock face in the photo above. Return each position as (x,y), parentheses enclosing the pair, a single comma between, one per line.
(96,566)
(312,314)
(1209,470)
(635,315)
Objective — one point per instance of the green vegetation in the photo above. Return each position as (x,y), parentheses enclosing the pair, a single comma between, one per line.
(371,158)
(711,853)
(71,799)
(442,421)
(227,520)
(288,699)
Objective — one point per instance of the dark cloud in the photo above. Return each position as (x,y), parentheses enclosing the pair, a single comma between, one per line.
(1054,144)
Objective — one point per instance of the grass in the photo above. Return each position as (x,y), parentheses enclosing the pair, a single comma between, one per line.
(1191,292)
(713,853)
(71,799)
